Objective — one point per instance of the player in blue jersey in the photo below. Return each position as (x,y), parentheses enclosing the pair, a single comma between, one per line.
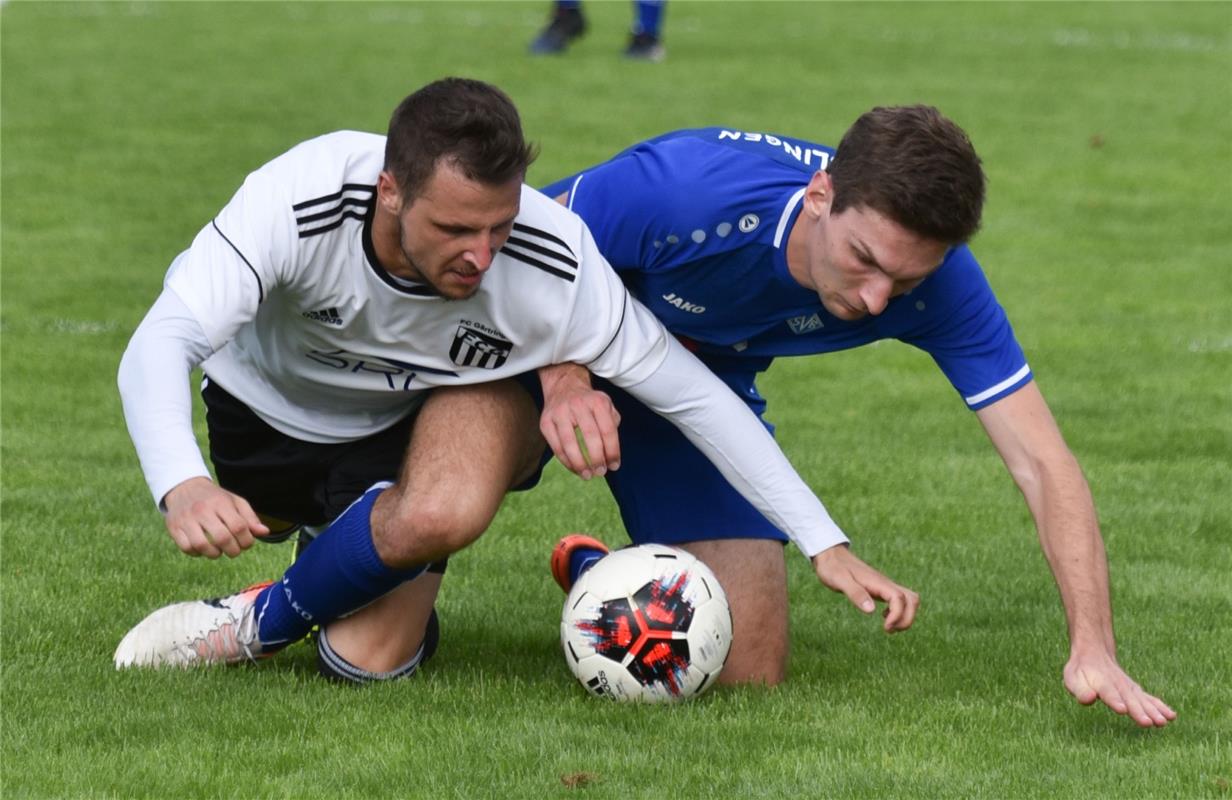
(569,23)
(750,246)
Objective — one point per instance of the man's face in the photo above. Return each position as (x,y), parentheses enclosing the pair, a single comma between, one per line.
(449,233)
(859,258)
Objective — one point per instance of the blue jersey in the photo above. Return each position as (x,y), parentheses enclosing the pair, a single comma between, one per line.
(696,223)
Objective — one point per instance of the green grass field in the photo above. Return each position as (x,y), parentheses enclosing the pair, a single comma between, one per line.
(1106,130)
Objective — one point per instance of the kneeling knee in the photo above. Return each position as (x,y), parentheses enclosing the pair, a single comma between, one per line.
(424,534)
(752,677)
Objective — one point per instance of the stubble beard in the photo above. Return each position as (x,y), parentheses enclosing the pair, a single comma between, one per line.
(422,275)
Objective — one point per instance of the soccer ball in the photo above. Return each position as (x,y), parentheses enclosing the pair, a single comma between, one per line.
(647,623)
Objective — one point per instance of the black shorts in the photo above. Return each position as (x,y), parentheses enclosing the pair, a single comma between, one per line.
(307,483)
(302,482)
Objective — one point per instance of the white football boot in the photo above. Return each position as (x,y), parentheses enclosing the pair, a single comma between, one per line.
(222,630)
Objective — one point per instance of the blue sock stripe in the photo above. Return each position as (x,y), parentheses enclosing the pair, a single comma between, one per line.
(262,604)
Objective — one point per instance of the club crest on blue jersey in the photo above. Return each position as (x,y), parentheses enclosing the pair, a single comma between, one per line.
(805,323)
(473,347)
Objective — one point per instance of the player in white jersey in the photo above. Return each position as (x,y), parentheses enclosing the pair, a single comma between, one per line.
(359,290)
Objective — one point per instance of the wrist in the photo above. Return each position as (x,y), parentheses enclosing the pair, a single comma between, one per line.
(1092,645)
(837,550)
(558,377)
(180,488)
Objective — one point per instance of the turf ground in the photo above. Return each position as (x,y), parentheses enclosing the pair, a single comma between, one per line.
(1107,134)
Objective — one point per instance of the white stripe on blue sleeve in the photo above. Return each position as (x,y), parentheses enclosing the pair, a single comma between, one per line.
(1000,387)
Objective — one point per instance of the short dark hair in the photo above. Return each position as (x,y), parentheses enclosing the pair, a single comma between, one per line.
(916,167)
(469,124)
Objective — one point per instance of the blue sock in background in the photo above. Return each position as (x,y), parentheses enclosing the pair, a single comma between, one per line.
(340,572)
(649,15)
(582,559)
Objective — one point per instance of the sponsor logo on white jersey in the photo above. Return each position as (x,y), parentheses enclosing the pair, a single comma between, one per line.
(374,370)
(682,304)
(805,323)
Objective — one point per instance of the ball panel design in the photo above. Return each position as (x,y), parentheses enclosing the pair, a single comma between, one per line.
(647,623)
(710,636)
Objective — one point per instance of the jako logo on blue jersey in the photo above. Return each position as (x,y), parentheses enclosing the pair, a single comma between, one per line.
(683,305)
(805,155)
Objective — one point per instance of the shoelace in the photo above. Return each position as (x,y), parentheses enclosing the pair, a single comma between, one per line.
(230,639)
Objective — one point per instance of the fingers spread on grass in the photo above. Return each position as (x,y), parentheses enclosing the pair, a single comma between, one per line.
(1146,710)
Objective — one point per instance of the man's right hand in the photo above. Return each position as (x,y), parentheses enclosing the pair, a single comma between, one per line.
(204,519)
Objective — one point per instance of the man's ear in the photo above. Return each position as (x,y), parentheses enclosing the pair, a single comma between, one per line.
(818,195)
(388,194)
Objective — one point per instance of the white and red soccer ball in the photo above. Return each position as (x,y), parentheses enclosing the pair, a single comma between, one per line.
(647,623)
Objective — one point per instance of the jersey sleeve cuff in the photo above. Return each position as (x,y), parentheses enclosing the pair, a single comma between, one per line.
(820,540)
(994,393)
(162,484)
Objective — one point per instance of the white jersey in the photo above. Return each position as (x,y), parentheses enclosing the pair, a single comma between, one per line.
(284,294)
(326,346)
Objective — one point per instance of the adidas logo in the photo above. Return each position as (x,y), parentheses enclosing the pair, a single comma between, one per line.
(327,315)
(599,686)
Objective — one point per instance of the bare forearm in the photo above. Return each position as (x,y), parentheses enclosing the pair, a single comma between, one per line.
(1024,433)
(1069,534)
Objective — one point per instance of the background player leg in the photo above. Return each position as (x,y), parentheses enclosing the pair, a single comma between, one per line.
(468,447)
(753,573)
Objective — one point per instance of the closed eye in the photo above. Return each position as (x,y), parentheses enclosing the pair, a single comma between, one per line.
(866,258)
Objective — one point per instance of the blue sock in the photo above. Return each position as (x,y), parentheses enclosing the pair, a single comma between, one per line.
(582,559)
(340,573)
(649,16)
(568,5)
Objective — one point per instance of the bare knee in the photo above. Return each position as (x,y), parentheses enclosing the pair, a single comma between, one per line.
(753,575)
(759,649)
(416,530)
(761,671)
(468,446)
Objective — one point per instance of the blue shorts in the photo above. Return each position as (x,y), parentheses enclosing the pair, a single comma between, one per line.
(667,490)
